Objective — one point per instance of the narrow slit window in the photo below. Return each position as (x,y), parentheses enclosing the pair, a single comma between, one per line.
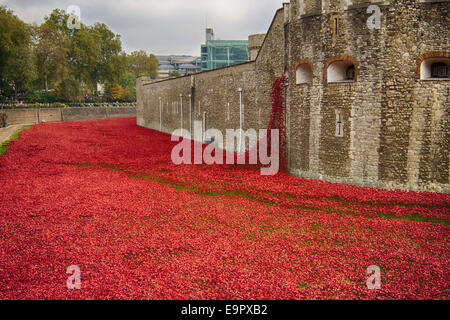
(335,25)
(339,124)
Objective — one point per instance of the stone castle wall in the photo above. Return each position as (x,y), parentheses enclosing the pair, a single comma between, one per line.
(395,125)
(38,115)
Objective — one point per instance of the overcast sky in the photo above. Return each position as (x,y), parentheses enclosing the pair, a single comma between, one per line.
(162,26)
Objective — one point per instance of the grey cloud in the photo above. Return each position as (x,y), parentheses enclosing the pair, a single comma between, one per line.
(162,27)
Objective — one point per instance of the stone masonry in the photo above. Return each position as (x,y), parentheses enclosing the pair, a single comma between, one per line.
(361,105)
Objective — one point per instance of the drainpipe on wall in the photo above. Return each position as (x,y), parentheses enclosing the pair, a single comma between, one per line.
(241,119)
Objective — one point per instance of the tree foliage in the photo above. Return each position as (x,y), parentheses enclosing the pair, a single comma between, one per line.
(143,65)
(117,92)
(50,54)
(16,67)
(70,62)
(174,74)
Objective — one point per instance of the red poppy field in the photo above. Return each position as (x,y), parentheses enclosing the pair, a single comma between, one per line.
(104,195)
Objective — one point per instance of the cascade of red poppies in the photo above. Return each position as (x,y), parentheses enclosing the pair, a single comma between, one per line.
(277,121)
(112,202)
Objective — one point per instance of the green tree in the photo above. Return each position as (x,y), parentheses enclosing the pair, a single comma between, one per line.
(128,80)
(70,90)
(74,61)
(111,63)
(50,53)
(143,65)
(96,56)
(174,74)
(84,57)
(58,19)
(16,63)
(130,94)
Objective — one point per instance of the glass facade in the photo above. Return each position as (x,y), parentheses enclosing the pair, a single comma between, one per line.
(223,53)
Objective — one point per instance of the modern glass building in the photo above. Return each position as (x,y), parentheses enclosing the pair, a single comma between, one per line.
(223,53)
(184,65)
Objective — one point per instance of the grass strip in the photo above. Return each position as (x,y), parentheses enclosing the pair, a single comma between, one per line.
(14,136)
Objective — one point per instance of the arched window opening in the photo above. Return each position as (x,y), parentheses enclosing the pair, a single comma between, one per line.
(304,74)
(341,71)
(434,68)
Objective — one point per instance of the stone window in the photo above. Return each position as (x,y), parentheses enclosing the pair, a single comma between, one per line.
(335,25)
(339,124)
(341,68)
(439,70)
(341,71)
(350,73)
(434,69)
(304,73)
(433,66)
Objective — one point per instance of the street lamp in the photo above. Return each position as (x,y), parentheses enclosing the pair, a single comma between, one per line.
(160,114)
(181,100)
(241,119)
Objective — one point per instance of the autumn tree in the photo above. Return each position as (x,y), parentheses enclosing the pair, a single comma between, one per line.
(117,93)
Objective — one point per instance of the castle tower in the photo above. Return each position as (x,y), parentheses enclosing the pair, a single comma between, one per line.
(255,42)
(309,7)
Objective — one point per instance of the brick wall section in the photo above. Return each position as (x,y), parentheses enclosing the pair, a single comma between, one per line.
(396,128)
